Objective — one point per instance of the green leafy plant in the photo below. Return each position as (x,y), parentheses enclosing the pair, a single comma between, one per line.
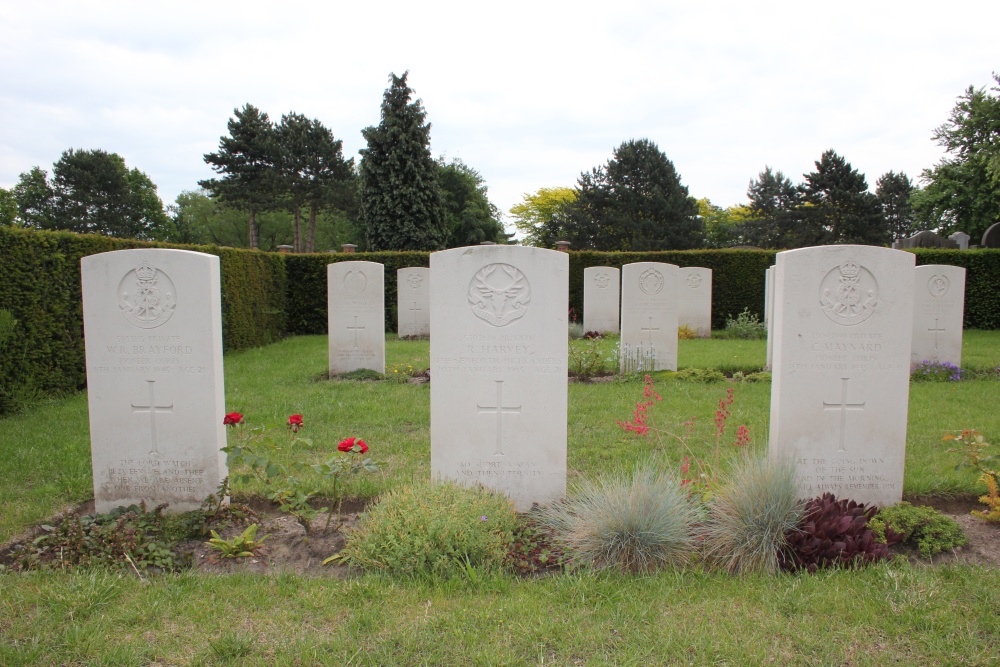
(400,373)
(432,529)
(586,359)
(238,546)
(753,508)
(935,371)
(636,522)
(700,375)
(834,533)
(752,378)
(746,326)
(921,526)
(533,549)
(972,445)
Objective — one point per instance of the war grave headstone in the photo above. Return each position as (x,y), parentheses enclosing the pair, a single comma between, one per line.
(601,289)
(413,301)
(694,299)
(962,239)
(356,316)
(926,239)
(499,358)
(991,237)
(843,319)
(152,322)
(769,311)
(649,316)
(938,309)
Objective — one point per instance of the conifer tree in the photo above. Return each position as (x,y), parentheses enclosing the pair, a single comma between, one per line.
(894,192)
(842,210)
(401,203)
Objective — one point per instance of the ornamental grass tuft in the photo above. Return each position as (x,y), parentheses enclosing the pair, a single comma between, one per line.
(636,522)
(749,514)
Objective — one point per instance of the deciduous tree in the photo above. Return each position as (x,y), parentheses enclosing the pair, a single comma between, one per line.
(470,215)
(541,215)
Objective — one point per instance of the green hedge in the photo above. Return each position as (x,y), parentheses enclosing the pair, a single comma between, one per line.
(40,286)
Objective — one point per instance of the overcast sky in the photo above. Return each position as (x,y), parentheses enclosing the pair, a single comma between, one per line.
(527,93)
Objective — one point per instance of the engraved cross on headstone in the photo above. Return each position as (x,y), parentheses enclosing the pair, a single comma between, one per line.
(650,329)
(152,409)
(936,329)
(355,329)
(499,409)
(843,406)
(415,310)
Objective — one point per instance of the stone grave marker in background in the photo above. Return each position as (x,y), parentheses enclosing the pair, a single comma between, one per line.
(694,299)
(601,287)
(152,322)
(649,316)
(926,239)
(413,301)
(991,237)
(356,316)
(769,310)
(499,350)
(962,239)
(843,319)
(938,309)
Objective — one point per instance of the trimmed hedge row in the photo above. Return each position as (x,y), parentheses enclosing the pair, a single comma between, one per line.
(40,286)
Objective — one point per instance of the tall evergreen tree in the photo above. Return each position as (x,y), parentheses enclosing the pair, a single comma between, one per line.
(8,208)
(246,160)
(470,216)
(34,197)
(895,193)
(401,203)
(634,202)
(775,220)
(841,209)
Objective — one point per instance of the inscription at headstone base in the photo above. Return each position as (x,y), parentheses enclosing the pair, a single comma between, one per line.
(694,299)
(153,339)
(601,287)
(649,313)
(843,318)
(413,304)
(356,316)
(499,358)
(938,310)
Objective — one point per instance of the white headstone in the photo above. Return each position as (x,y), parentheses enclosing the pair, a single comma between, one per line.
(413,301)
(356,316)
(938,309)
(843,317)
(499,350)
(152,322)
(769,311)
(601,286)
(649,315)
(694,299)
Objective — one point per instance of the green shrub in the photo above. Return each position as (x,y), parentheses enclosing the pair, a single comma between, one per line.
(702,375)
(749,514)
(433,528)
(924,527)
(746,326)
(635,522)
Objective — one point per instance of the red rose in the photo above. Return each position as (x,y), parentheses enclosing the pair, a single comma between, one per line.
(295,423)
(232,419)
(352,445)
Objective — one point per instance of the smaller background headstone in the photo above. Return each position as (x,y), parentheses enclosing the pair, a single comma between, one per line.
(601,289)
(413,302)
(694,299)
(649,316)
(991,237)
(356,316)
(938,309)
(962,239)
(926,239)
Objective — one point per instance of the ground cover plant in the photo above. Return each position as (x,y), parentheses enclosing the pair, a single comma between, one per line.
(910,615)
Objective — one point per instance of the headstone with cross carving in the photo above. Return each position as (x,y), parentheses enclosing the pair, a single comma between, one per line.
(694,300)
(842,326)
(938,309)
(413,302)
(152,323)
(601,289)
(356,316)
(649,316)
(499,362)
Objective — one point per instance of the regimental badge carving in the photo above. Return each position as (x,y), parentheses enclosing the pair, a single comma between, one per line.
(355,282)
(147,297)
(602,280)
(651,282)
(499,294)
(938,285)
(415,280)
(848,293)
(694,280)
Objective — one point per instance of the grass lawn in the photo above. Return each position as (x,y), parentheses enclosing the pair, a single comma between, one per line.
(888,614)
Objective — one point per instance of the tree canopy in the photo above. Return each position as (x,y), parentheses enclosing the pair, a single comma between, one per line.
(841,209)
(91,192)
(635,201)
(8,208)
(401,202)
(895,195)
(962,192)
(470,216)
(541,216)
